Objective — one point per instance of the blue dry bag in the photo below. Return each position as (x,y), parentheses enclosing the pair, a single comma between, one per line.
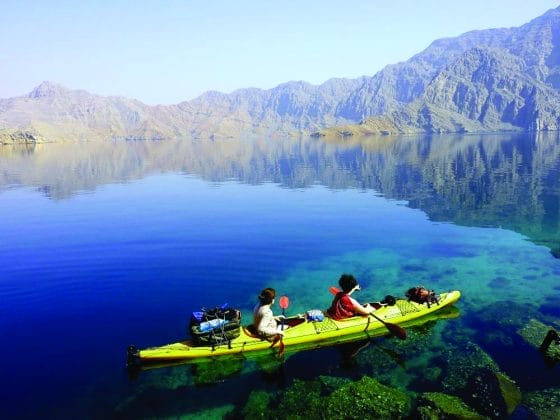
(314,315)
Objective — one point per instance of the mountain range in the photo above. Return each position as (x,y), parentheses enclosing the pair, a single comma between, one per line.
(487,80)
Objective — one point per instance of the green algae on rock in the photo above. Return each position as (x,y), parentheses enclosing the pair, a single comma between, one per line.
(462,363)
(367,398)
(332,383)
(534,332)
(301,400)
(215,371)
(438,405)
(545,403)
(510,391)
(257,406)
(491,393)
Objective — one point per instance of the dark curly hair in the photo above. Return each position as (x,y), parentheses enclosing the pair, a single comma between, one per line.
(267,296)
(347,282)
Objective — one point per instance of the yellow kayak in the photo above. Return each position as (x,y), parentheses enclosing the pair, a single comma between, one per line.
(304,335)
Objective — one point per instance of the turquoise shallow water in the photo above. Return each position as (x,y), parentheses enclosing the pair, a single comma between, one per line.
(106,245)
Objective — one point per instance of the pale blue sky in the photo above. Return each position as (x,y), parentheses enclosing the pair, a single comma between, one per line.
(169,51)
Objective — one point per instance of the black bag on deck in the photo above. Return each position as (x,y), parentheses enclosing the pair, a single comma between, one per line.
(420,294)
(211,327)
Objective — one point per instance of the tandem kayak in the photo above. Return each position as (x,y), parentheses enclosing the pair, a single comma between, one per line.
(304,335)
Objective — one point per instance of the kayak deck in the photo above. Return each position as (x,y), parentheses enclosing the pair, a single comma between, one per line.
(313,333)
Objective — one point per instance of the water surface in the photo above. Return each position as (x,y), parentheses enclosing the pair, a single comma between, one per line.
(108,244)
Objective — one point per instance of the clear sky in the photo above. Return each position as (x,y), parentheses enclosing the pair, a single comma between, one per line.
(164,52)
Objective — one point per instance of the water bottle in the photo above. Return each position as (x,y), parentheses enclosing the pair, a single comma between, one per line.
(212,324)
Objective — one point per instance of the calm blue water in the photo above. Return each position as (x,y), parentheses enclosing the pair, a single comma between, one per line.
(106,245)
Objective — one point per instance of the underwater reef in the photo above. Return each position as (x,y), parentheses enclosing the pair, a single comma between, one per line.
(467,368)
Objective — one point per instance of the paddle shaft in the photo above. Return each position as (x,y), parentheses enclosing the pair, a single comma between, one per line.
(284,302)
(379,319)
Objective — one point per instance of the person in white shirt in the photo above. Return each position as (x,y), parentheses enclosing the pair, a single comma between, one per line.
(264,321)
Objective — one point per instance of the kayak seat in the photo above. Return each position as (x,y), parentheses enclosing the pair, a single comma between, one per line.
(250,331)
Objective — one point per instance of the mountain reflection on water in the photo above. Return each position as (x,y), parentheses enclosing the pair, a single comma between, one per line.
(494,180)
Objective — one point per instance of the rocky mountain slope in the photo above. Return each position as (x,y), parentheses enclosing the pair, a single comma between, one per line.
(497,79)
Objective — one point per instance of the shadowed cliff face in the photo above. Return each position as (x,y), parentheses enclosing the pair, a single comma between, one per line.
(508,181)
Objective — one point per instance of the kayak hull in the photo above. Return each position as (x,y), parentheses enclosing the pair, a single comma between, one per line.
(305,335)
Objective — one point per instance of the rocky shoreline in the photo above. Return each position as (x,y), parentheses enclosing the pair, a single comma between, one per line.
(20,137)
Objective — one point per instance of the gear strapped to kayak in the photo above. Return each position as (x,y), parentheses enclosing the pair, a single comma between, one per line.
(215,326)
(420,294)
(228,339)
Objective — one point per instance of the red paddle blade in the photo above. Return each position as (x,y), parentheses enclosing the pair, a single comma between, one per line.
(334,290)
(281,349)
(284,302)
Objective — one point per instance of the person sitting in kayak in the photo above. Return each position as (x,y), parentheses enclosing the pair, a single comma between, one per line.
(264,321)
(345,306)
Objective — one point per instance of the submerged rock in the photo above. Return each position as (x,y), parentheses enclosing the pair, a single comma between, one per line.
(332,383)
(504,316)
(491,394)
(510,392)
(329,397)
(220,412)
(257,406)
(463,363)
(367,398)
(545,403)
(301,400)
(522,412)
(534,332)
(215,371)
(436,405)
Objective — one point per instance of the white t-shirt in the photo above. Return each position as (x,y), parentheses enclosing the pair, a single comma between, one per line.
(264,322)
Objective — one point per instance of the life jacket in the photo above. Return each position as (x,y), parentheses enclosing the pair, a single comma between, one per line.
(342,307)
